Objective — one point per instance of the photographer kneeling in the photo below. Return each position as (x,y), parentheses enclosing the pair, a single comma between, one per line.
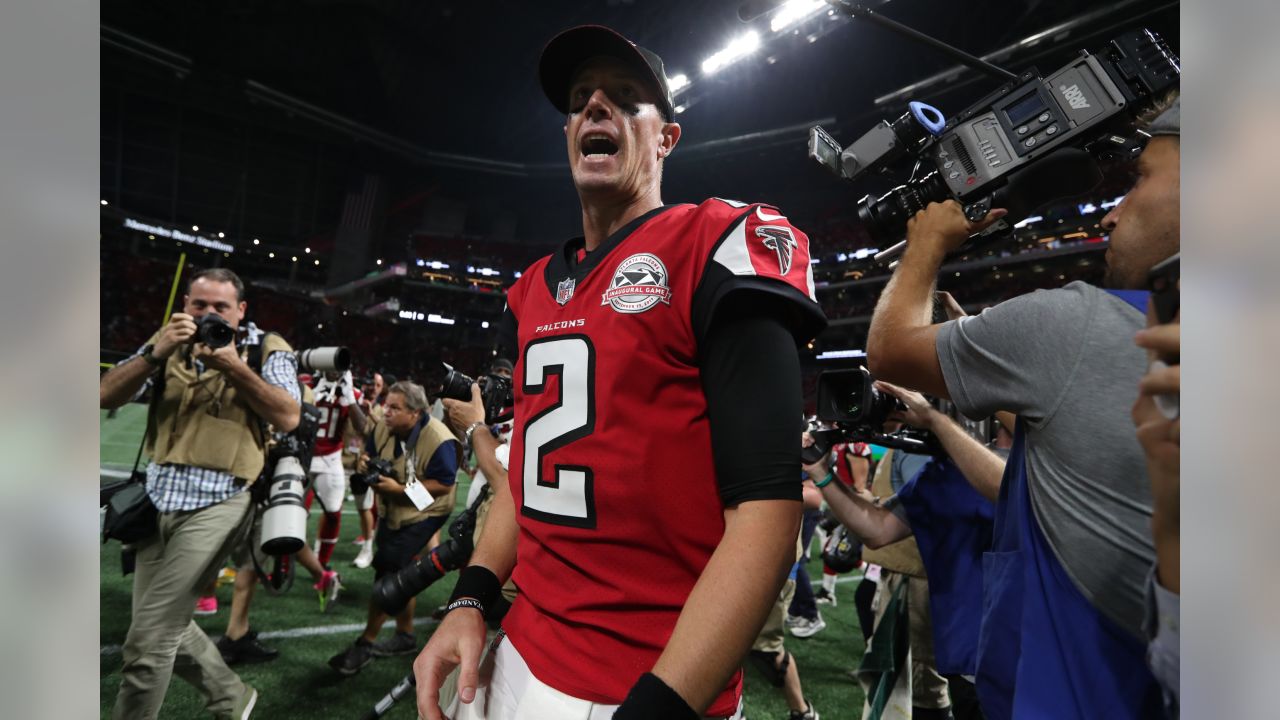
(413,463)
(207,444)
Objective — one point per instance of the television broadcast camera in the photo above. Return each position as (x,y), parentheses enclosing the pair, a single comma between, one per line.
(1031,141)
(852,408)
(494,389)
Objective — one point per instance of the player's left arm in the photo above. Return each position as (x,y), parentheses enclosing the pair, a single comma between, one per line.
(751,377)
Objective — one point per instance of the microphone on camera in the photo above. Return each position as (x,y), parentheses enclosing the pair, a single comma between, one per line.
(752,9)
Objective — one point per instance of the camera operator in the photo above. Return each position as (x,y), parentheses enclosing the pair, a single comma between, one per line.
(1075,547)
(963,521)
(414,501)
(1158,432)
(207,444)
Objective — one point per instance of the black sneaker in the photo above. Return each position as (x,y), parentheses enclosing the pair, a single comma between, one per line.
(245,650)
(807,714)
(401,643)
(354,658)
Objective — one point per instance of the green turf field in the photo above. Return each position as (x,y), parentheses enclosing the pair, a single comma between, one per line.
(299,684)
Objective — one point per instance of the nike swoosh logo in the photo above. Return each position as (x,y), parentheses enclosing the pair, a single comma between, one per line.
(766,217)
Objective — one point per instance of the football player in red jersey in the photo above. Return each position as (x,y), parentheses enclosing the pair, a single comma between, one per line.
(657,399)
(338,402)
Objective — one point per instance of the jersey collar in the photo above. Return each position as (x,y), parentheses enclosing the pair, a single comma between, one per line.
(562,267)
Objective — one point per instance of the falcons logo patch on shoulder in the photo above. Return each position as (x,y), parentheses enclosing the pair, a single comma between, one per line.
(782,241)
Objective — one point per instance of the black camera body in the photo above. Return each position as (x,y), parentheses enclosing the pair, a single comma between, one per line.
(985,156)
(854,410)
(213,331)
(494,389)
(360,482)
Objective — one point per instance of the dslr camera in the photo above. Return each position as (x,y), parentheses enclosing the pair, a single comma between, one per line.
(1029,142)
(850,408)
(213,331)
(284,521)
(375,467)
(494,389)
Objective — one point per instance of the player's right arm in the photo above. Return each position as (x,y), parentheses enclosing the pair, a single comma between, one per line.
(122,382)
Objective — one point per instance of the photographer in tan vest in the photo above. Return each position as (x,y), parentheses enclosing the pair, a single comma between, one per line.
(414,501)
(206,437)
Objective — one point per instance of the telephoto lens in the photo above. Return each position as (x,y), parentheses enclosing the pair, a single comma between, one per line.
(284,522)
(325,359)
(392,592)
(213,331)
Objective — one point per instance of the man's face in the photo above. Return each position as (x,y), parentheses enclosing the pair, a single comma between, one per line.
(616,134)
(399,418)
(1144,227)
(374,389)
(502,372)
(205,296)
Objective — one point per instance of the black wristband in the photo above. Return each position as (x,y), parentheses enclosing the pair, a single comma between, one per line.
(651,698)
(478,582)
(464,602)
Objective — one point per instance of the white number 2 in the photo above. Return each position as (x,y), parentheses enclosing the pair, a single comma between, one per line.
(565,498)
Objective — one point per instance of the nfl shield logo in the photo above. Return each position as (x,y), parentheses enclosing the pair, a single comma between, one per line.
(564,291)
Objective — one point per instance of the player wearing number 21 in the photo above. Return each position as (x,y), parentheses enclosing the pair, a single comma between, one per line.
(654,494)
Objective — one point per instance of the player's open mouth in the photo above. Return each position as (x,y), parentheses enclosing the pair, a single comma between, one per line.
(597,146)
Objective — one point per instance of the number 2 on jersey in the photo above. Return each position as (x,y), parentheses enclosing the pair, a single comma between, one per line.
(566,497)
(328,421)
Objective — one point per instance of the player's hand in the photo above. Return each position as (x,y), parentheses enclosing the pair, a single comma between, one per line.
(942,227)
(949,305)
(461,415)
(224,358)
(347,390)
(457,643)
(176,333)
(919,412)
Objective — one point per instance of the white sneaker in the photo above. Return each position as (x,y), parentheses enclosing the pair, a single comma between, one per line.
(364,558)
(808,628)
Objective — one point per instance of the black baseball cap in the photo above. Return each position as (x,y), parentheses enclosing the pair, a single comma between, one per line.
(568,50)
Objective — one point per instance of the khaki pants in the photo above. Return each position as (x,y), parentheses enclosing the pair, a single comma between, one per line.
(928,688)
(172,568)
(773,633)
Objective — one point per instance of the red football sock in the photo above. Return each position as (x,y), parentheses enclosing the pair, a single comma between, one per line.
(306,501)
(329,526)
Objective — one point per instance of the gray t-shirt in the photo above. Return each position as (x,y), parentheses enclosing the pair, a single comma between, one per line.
(1064,360)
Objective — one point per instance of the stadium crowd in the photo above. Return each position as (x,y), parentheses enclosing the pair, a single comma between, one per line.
(643,494)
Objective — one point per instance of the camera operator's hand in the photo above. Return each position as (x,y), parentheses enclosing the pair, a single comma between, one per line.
(942,227)
(818,470)
(919,412)
(456,643)
(176,333)
(388,486)
(224,358)
(461,415)
(1160,437)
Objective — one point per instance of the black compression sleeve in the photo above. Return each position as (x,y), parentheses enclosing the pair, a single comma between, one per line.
(751,378)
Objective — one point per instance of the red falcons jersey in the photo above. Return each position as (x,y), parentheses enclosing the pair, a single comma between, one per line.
(840,452)
(611,464)
(333,418)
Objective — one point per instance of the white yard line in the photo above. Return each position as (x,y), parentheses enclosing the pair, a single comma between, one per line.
(109,650)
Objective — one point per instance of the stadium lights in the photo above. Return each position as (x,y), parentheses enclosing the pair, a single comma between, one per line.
(1028,221)
(104,202)
(379,261)
(317,261)
(677,83)
(195,228)
(295,258)
(834,354)
(1112,203)
(739,48)
(793,12)
(484,324)
(308,250)
(255,241)
(220,235)
(271,254)
(517,273)
(681,108)
(434,318)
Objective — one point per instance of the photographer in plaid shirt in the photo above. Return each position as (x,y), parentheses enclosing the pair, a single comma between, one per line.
(206,437)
